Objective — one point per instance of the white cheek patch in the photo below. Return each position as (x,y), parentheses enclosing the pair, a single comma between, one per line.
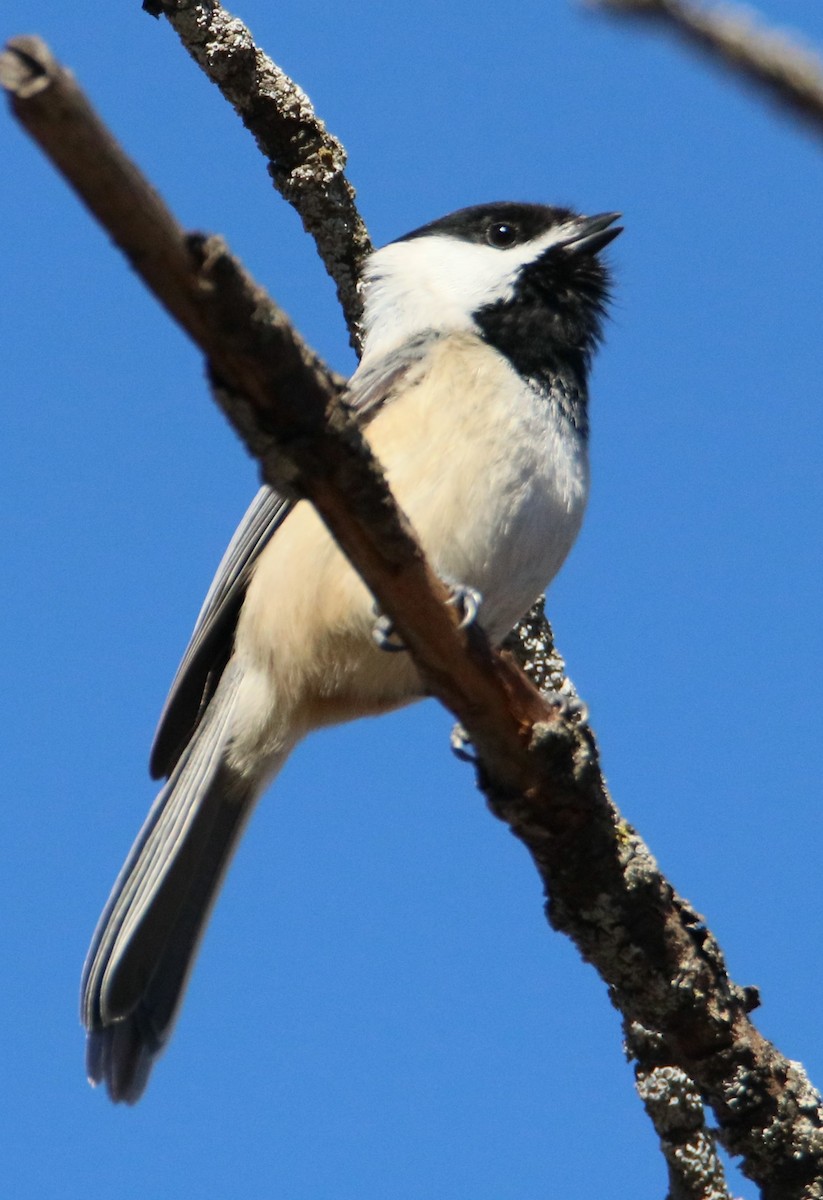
(438,282)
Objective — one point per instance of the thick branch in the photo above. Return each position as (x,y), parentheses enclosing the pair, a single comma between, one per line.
(306,162)
(790,74)
(58,116)
(540,773)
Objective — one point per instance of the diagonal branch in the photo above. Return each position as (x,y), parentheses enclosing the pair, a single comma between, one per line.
(790,74)
(306,162)
(540,772)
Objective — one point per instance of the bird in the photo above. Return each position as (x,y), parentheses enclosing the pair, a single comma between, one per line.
(472,391)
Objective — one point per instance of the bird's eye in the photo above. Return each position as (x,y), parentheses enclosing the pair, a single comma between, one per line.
(501,234)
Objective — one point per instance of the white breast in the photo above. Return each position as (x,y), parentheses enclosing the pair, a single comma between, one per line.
(492,475)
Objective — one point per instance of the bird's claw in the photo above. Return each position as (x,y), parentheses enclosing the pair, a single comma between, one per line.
(459,740)
(385,635)
(466,600)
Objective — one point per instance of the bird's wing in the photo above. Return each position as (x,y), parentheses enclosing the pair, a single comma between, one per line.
(212,639)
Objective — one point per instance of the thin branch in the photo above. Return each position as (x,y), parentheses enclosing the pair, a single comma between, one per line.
(789,73)
(540,771)
(306,162)
(675,1108)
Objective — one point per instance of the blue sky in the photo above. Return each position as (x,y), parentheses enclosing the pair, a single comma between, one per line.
(379,1009)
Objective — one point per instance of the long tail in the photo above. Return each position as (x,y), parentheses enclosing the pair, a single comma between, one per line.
(146,940)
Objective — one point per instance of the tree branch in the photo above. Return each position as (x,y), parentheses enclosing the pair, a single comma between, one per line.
(675,1108)
(791,75)
(540,771)
(306,162)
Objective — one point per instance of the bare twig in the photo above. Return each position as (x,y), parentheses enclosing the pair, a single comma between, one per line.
(675,1108)
(790,74)
(540,772)
(306,162)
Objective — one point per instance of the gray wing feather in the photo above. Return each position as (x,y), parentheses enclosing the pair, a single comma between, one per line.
(146,939)
(212,640)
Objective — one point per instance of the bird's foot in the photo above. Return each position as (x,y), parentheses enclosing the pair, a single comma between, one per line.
(459,742)
(384,633)
(466,600)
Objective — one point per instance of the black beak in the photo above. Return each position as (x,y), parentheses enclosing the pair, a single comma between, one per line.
(591,234)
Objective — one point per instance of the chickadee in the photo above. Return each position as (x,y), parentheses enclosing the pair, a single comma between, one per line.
(472,391)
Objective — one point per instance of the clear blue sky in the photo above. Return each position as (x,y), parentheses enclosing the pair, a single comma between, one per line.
(379,1009)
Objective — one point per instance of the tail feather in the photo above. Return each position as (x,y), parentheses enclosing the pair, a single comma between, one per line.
(146,940)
